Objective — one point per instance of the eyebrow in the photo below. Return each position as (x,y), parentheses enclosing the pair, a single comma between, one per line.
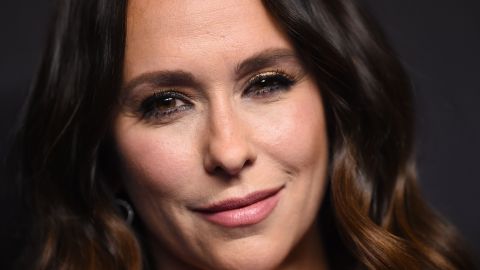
(162,78)
(263,59)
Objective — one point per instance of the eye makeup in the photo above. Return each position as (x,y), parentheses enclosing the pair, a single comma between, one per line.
(266,84)
(164,105)
(161,97)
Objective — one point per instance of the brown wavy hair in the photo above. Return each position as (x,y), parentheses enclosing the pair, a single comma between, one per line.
(373,216)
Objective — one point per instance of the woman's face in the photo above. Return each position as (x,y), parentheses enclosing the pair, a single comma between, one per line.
(221,133)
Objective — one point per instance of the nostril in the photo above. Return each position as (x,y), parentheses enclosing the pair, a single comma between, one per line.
(222,173)
(228,148)
(231,171)
(223,166)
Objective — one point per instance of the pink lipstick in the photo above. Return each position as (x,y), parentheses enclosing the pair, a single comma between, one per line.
(245,211)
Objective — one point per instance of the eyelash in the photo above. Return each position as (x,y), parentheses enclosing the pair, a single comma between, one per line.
(268,83)
(260,86)
(150,107)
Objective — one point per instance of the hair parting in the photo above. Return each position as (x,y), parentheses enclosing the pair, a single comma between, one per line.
(373,216)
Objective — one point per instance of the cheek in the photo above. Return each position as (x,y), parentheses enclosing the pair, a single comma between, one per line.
(154,160)
(295,132)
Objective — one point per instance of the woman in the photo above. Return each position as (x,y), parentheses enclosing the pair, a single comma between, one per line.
(245,135)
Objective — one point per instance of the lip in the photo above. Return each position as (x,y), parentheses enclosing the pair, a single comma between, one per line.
(244,211)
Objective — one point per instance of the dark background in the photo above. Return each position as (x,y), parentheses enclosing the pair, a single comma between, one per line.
(438,42)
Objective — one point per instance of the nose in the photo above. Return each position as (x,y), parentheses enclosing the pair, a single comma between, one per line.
(228,148)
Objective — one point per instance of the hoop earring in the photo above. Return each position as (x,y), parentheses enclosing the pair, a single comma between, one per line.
(127,209)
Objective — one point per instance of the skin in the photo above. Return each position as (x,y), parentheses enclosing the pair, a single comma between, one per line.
(226,142)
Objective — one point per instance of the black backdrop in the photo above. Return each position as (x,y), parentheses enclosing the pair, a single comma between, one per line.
(438,41)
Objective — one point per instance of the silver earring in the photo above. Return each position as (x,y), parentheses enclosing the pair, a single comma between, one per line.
(127,209)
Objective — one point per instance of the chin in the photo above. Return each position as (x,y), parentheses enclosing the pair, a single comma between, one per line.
(252,254)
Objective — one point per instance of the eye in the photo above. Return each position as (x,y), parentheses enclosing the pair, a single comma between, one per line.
(268,84)
(163,105)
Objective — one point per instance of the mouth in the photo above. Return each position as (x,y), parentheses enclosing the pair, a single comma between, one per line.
(244,211)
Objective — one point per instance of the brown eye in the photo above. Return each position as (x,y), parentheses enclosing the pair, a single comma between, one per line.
(267,84)
(164,104)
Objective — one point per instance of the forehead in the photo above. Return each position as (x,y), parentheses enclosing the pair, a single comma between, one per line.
(178,31)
